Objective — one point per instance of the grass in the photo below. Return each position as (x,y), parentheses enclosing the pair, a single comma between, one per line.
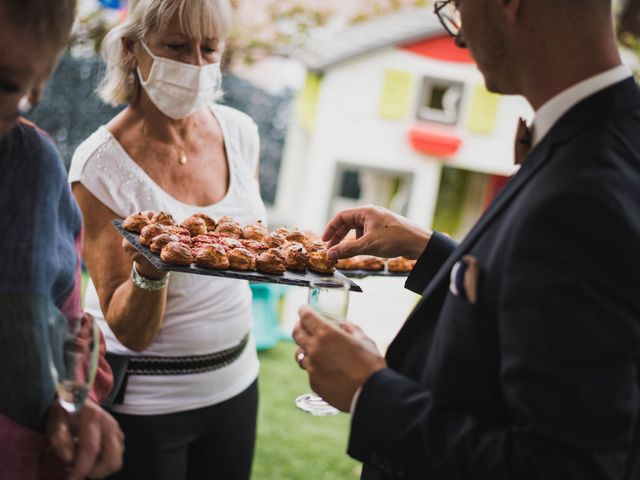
(293,445)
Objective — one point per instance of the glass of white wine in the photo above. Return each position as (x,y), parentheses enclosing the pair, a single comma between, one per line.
(329,297)
(74,347)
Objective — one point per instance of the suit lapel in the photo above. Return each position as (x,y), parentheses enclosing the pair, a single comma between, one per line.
(537,159)
(534,163)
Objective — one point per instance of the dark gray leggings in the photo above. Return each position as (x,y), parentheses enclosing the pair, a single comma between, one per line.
(210,443)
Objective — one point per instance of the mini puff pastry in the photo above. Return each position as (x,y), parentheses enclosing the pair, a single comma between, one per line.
(254,232)
(230,243)
(348,264)
(212,256)
(176,253)
(298,236)
(159,241)
(315,246)
(271,262)
(274,240)
(163,218)
(195,225)
(136,222)
(148,233)
(242,259)
(319,261)
(295,257)
(229,227)
(209,222)
(255,246)
(400,265)
(370,263)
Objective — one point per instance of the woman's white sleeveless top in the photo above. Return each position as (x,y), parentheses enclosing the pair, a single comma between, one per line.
(203,314)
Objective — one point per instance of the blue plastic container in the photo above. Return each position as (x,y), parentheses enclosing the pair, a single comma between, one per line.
(112,3)
(266,314)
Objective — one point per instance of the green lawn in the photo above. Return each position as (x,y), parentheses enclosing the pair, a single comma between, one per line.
(293,445)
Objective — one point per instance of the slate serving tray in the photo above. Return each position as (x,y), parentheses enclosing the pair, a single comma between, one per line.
(370,273)
(288,278)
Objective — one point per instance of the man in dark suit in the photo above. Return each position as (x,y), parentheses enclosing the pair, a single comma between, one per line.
(522,360)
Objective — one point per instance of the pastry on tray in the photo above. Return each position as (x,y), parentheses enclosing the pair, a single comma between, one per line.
(255,231)
(282,231)
(242,259)
(176,253)
(209,222)
(230,243)
(205,239)
(224,244)
(315,246)
(148,233)
(255,246)
(320,261)
(212,256)
(163,218)
(274,240)
(195,225)
(298,236)
(228,226)
(179,231)
(295,257)
(270,262)
(400,265)
(159,241)
(350,263)
(136,222)
(370,263)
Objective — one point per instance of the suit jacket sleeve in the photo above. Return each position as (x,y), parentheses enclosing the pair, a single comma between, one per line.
(568,332)
(438,250)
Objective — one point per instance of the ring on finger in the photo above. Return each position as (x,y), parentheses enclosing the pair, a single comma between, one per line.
(300,357)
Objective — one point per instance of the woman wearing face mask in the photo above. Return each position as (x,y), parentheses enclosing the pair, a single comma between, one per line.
(172,149)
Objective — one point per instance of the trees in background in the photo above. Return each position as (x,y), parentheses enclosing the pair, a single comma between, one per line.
(267,27)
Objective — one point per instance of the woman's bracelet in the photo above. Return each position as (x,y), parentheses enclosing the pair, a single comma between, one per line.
(145,283)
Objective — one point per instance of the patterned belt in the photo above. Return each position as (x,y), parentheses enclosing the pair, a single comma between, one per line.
(185,365)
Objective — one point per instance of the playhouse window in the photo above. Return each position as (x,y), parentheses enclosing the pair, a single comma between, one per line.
(440,100)
(356,184)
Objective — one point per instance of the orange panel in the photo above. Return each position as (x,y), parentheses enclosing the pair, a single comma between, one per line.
(440,48)
(434,142)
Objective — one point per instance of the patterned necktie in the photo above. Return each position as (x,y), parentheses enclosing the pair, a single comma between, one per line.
(523,142)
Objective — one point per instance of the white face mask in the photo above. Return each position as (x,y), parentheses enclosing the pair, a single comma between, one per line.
(179,89)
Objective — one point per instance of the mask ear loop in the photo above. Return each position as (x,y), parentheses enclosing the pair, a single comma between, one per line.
(153,57)
(151,54)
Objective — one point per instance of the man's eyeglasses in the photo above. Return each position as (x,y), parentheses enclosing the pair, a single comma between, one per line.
(449,16)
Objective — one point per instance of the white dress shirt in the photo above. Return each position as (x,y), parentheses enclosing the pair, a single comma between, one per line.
(549,113)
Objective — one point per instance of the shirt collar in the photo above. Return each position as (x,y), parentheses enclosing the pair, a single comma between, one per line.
(549,113)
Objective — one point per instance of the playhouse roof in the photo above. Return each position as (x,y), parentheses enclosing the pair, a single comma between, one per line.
(407,26)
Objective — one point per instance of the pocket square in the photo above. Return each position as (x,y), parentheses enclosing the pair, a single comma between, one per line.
(464,278)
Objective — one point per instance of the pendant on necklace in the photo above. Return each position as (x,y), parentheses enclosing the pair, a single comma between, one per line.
(183,159)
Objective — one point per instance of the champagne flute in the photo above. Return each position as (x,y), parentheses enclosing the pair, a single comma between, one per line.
(74,347)
(328,296)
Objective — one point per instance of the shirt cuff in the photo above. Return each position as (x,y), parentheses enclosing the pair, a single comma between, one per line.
(433,257)
(354,400)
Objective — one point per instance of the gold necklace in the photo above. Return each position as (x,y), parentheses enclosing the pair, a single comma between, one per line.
(183,158)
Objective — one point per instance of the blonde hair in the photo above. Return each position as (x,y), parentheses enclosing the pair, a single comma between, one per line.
(197,19)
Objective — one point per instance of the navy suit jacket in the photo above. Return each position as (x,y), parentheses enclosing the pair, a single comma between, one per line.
(540,378)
